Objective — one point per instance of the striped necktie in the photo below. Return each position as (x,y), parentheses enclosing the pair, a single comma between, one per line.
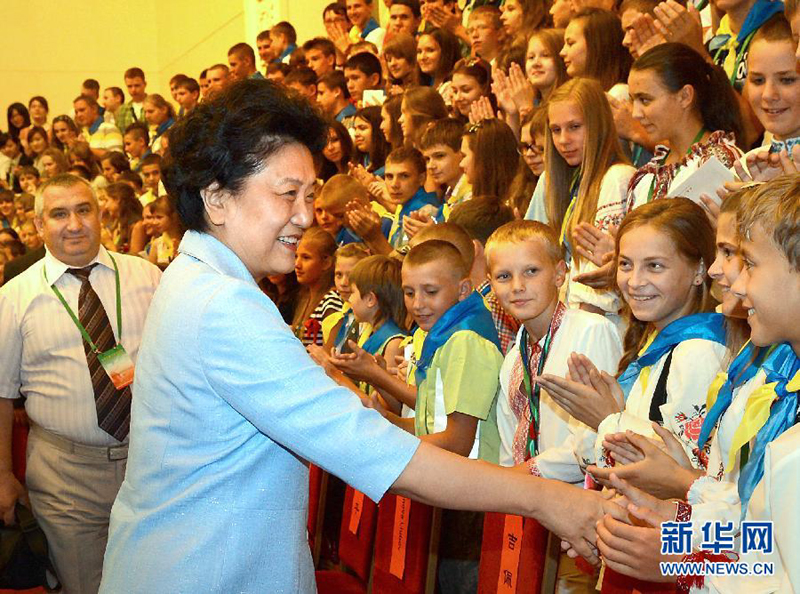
(113,406)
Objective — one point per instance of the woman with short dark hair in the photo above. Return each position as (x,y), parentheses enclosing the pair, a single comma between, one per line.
(228,405)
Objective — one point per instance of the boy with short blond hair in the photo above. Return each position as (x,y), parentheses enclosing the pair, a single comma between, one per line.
(456,374)
(456,377)
(526,269)
(479,217)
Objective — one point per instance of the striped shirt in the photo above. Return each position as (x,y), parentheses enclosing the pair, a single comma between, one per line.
(42,356)
(310,331)
(104,136)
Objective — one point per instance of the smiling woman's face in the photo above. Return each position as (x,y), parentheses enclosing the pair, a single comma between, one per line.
(263,224)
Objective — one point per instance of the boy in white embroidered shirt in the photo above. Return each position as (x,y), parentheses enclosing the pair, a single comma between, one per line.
(527,269)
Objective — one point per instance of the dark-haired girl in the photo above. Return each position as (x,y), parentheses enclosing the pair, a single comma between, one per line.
(18,119)
(689,106)
(370,144)
(337,153)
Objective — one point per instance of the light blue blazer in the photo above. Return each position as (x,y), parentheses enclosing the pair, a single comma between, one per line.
(227,407)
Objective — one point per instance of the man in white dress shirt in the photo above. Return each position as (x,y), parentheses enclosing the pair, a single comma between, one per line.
(52,326)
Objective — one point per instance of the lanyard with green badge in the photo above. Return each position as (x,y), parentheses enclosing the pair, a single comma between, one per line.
(532,391)
(116,362)
(695,140)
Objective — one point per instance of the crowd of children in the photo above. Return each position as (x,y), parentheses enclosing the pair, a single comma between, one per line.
(563,238)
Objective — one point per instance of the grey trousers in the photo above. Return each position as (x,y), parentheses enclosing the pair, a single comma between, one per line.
(72,489)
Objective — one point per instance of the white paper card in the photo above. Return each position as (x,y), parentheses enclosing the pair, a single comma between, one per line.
(706,180)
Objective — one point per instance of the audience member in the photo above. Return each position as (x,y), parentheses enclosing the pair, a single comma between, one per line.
(283,39)
(320,55)
(101,136)
(217,79)
(133,110)
(333,96)
(242,62)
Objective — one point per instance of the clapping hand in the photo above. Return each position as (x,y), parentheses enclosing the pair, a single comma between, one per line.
(501,87)
(646,34)
(441,18)
(364,221)
(593,244)
(481,109)
(588,394)
(680,24)
(364,177)
(338,35)
(602,278)
(415,222)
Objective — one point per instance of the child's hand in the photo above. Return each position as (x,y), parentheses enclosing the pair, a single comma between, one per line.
(358,364)
(373,401)
(592,243)
(501,87)
(521,88)
(364,222)
(415,222)
(322,359)
(646,33)
(338,35)
(711,206)
(581,369)
(680,24)
(442,18)
(380,192)
(762,166)
(589,404)
(621,450)
(364,177)
(481,109)
(318,354)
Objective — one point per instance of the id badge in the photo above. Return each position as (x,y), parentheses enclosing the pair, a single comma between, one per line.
(118,366)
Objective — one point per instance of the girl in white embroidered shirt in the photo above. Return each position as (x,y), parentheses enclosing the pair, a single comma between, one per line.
(662,253)
(587,176)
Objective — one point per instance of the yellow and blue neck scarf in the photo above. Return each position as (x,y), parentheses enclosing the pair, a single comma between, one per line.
(707,326)
(770,410)
(378,339)
(720,395)
(470,314)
